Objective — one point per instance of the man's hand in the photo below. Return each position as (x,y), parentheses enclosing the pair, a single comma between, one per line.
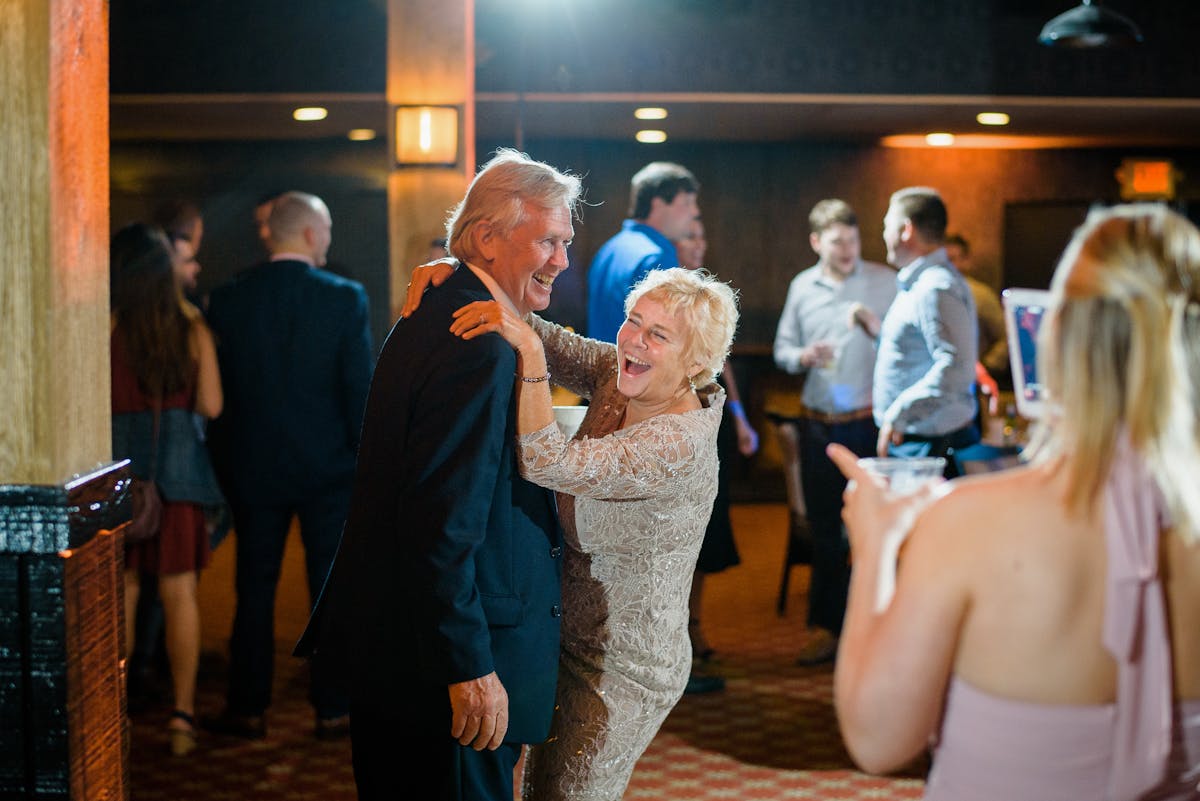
(480,712)
(818,354)
(865,319)
(989,387)
(887,436)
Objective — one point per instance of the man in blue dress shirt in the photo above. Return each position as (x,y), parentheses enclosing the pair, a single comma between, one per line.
(924,383)
(662,205)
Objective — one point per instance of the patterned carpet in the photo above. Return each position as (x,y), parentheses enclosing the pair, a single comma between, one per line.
(771,734)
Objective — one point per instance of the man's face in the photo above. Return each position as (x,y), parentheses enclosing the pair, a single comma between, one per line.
(692,246)
(672,219)
(185,264)
(262,213)
(527,260)
(838,247)
(893,229)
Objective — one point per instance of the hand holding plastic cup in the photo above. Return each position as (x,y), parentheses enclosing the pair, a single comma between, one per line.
(837,348)
(905,475)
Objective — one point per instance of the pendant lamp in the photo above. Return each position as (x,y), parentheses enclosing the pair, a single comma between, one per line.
(1089,26)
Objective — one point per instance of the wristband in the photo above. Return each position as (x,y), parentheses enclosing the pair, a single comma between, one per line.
(735,408)
(536,379)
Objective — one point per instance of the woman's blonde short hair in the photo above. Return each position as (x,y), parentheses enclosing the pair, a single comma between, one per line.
(707,307)
(1120,351)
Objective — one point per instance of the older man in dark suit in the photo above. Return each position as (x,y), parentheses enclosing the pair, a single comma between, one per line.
(443,606)
(295,352)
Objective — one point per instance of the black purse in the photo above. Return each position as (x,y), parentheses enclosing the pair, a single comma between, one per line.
(145,497)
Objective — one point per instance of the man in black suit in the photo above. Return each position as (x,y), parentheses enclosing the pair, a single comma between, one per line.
(295,351)
(442,609)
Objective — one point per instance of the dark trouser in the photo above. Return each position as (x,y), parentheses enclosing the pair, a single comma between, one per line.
(944,446)
(390,759)
(261,533)
(823,486)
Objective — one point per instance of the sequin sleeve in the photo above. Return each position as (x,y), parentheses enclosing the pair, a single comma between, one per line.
(644,461)
(576,363)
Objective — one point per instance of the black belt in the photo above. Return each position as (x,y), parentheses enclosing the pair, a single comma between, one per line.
(837,418)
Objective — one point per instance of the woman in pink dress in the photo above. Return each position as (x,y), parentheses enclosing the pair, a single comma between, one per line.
(1042,636)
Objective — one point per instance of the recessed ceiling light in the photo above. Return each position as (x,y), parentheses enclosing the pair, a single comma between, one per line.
(939,139)
(991,118)
(650,113)
(652,137)
(310,114)
(361,134)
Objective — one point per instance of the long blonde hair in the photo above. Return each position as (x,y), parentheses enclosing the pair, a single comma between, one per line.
(1120,352)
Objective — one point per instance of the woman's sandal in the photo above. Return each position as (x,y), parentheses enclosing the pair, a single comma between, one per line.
(183,741)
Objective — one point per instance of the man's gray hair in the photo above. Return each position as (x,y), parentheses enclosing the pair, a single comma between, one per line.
(498,194)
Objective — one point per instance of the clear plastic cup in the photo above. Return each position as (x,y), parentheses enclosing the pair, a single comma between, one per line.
(905,475)
(569,418)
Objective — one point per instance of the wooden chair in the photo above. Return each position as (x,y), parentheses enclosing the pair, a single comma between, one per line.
(799,542)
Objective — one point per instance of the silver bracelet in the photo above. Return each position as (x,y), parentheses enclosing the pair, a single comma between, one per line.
(537,380)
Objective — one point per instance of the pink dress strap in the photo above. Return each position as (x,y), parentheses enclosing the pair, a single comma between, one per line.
(1135,625)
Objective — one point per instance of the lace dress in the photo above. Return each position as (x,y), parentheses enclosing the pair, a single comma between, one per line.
(634,504)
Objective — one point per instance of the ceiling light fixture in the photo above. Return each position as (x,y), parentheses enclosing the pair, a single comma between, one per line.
(651,137)
(310,114)
(939,139)
(361,134)
(650,113)
(1088,25)
(991,118)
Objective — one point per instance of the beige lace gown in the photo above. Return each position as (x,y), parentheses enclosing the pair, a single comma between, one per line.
(634,504)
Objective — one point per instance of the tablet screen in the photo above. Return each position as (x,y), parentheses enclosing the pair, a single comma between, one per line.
(1023,313)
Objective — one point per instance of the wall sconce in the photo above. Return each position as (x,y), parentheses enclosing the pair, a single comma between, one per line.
(426,135)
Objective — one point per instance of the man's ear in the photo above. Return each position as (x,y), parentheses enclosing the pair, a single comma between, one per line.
(485,238)
(814,240)
(907,231)
(656,203)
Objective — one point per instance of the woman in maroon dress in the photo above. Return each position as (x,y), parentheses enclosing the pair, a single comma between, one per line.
(163,357)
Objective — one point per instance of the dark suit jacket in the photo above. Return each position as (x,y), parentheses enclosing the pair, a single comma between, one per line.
(294,348)
(449,564)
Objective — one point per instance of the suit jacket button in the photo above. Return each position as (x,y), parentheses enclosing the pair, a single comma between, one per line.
(555,611)
(556,552)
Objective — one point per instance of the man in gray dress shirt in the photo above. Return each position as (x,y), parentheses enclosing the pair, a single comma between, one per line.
(924,385)
(827,333)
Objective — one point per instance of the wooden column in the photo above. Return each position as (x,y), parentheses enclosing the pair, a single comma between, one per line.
(54,380)
(63,731)
(431,61)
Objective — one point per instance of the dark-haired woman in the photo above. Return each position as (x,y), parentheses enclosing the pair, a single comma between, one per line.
(164,366)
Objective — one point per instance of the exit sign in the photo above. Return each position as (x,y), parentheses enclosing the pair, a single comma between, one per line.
(1147,179)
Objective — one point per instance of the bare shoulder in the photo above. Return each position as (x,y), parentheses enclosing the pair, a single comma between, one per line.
(198,327)
(200,336)
(972,509)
